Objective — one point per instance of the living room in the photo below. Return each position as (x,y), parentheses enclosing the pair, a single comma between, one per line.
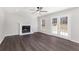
(47,28)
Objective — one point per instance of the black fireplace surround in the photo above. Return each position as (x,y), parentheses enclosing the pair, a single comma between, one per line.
(25,29)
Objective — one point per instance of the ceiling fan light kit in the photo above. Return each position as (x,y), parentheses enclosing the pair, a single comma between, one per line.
(39,10)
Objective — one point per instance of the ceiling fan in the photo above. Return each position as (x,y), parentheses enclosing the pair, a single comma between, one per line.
(38,10)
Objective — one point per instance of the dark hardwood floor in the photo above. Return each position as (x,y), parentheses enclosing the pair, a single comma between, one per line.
(37,42)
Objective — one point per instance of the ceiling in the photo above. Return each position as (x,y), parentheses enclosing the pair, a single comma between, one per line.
(49,9)
(31,10)
(54,9)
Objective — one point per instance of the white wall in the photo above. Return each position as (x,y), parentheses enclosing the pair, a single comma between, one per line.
(10,18)
(75,25)
(2,18)
(17,16)
(73,14)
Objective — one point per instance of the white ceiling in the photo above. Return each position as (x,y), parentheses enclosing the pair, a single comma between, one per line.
(31,10)
(49,9)
(54,9)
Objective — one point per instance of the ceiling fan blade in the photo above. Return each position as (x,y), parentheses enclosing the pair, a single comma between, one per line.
(34,12)
(43,11)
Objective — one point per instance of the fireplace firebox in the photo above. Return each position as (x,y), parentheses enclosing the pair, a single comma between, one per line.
(25,29)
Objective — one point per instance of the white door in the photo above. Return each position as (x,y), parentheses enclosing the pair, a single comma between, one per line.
(43,25)
(64,26)
(60,26)
(54,25)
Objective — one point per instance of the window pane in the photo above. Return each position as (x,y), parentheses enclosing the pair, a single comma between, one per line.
(63,26)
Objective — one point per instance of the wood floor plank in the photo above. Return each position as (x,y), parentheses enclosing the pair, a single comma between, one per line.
(37,42)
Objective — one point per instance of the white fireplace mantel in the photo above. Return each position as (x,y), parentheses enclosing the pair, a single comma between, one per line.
(25,25)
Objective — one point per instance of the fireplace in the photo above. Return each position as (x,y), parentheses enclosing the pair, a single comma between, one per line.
(25,29)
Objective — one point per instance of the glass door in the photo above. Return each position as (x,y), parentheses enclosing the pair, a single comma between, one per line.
(60,26)
(54,25)
(64,26)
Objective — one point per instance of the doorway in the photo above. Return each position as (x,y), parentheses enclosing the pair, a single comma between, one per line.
(60,26)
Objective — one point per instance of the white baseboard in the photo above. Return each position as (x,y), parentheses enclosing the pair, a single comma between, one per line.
(2,40)
(64,38)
